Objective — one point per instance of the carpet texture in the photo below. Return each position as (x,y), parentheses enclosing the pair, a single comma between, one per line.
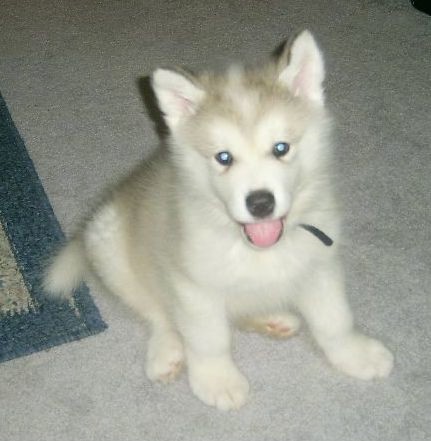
(29,233)
(69,75)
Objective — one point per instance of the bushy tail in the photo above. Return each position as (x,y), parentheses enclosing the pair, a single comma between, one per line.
(66,270)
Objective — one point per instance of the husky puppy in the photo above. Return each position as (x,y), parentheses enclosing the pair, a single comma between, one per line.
(234,223)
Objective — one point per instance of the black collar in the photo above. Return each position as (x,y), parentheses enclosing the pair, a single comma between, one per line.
(318,233)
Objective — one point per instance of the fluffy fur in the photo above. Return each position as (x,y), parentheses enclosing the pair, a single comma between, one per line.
(170,239)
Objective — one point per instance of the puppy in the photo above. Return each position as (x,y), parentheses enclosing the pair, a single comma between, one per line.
(235,222)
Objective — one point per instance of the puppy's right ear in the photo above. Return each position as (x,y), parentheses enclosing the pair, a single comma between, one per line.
(178,96)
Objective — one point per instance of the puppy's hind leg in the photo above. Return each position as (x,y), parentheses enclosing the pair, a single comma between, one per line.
(107,253)
(165,353)
(281,325)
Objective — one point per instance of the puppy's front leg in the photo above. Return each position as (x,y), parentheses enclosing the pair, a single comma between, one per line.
(326,310)
(213,376)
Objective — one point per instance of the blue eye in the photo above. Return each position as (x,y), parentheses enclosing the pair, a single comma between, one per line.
(280,149)
(224,158)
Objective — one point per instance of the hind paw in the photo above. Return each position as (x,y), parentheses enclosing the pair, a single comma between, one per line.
(275,325)
(165,358)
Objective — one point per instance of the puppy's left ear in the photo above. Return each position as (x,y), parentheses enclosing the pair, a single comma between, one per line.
(177,94)
(304,73)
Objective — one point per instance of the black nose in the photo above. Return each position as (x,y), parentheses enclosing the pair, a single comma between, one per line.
(260,203)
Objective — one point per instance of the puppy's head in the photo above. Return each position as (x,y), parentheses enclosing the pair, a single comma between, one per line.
(245,135)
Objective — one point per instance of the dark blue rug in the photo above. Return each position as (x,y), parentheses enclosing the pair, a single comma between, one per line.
(29,233)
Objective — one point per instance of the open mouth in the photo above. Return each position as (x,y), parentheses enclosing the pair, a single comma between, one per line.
(263,234)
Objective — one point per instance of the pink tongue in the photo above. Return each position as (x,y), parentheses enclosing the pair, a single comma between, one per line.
(264,234)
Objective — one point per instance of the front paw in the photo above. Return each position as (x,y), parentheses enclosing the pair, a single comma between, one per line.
(218,383)
(361,357)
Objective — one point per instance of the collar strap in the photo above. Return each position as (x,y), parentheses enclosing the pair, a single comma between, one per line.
(326,240)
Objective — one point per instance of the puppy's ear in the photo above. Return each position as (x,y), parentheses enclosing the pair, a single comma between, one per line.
(301,68)
(178,96)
